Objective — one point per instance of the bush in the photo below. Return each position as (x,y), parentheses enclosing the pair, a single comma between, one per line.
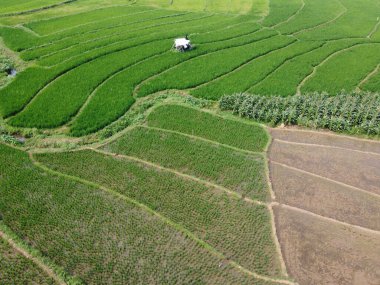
(353,112)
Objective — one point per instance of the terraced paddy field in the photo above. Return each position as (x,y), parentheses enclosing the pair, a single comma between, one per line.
(123,161)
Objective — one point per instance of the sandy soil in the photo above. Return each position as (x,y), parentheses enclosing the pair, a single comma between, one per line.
(326,186)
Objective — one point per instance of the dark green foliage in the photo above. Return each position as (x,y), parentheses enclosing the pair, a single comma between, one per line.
(353,113)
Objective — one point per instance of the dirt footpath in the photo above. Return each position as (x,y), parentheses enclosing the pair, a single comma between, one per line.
(328,217)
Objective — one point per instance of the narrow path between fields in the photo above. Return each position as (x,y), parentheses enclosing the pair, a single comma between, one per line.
(327,206)
(27,255)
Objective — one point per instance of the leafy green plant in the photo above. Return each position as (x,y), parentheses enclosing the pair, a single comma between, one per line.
(353,112)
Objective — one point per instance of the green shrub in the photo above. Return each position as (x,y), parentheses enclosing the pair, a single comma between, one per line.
(354,112)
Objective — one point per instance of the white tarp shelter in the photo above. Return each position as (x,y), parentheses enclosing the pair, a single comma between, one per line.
(182,44)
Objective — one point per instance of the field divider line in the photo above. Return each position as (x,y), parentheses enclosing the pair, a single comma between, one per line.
(181,175)
(194,57)
(345,10)
(100,38)
(244,64)
(325,146)
(292,16)
(315,68)
(31,11)
(65,71)
(282,64)
(166,220)
(117,72)
(29,255)
(326,218)
(374,30)
(99,21)
(325,178)
(249,152)
(368,77)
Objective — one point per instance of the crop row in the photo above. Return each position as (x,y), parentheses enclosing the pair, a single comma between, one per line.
(314,13)
(50,47)
(255,71)
(356,62)
(202,124)
(235,170)
(17,269)
(285,80)
(71,22)
(97,115)
(239,230)
(358,21)
(20,91)
(278,12)
(17,6)
(99,237)
(203,69)
(157,32)
(67,94)
(357,113)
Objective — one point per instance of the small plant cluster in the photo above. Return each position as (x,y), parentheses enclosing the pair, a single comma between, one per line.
(353,113)
(5,64)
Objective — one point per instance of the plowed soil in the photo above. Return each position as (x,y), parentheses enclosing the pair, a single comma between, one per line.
(328,218)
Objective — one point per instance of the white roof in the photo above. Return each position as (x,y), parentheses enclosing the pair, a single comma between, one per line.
(181,42)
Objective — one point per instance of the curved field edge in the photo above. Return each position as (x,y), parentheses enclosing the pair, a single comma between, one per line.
(102,199)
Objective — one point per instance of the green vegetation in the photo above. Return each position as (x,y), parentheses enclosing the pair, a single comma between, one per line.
(356,113)
(89,63)
(17,269)
(240,172)
(100,236)
(205,125)
(209,213)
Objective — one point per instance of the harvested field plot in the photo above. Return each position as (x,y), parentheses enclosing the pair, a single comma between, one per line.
(329,206)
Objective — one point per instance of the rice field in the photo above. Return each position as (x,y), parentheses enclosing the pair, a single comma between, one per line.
(88,64)
(122,160)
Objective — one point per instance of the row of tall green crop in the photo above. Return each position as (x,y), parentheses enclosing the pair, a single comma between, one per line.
(356,113)
(16,95)
(73,21)
(97,113)
(191,121)
(123,33)
(98,236)
(357,62)
(211,162)
(66,94)
(285,80)
(254,72)
(133,37)
(203,69)
(314,13)
(278,12)
(210,214)
(358,21)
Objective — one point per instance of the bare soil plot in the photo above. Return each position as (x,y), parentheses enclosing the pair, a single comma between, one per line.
(346,166)
(324,197)
(325,138)
(327,209)
(320,252)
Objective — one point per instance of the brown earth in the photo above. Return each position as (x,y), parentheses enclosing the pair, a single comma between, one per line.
(328,218)
(319,252)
